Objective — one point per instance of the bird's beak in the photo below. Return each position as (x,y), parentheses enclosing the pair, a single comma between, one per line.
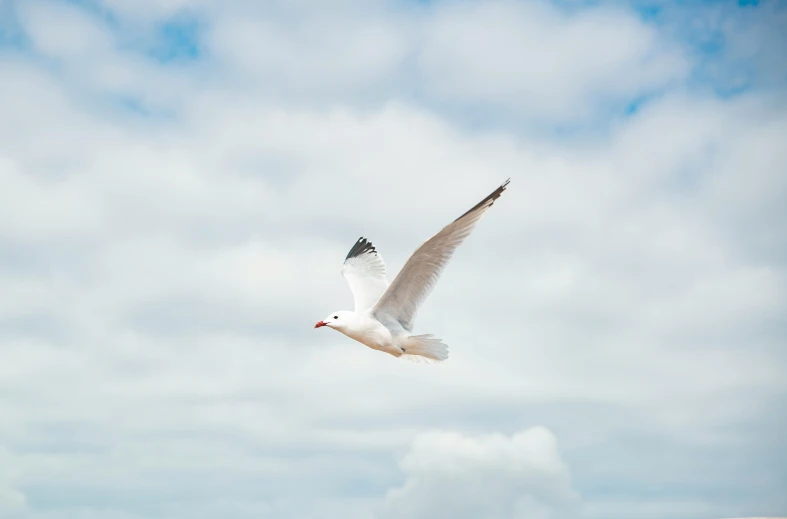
(321,323)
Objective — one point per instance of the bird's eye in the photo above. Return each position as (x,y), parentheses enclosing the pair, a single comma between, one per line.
(335,316)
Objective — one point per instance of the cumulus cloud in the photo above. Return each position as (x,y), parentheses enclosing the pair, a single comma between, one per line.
(541,61)
(312,55)
(449,474)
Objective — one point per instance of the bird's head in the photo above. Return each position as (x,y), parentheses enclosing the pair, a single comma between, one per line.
(336,320)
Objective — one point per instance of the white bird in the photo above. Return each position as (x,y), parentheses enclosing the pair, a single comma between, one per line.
(384,314)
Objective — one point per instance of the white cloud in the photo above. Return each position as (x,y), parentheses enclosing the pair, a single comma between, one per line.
(535,59)
(451,475)
(161,275)
(202,288)
(97,64)
(36,209)
(310,55)
(63,30)
(541,62)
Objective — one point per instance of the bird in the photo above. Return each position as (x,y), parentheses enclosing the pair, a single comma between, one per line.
(384,313)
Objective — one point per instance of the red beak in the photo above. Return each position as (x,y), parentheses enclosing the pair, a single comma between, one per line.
(321,323)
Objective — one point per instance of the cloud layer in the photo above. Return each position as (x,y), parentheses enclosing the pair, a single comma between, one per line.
(180,182)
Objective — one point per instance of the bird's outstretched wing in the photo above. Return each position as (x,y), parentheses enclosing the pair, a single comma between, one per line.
(408,290)
(364,270)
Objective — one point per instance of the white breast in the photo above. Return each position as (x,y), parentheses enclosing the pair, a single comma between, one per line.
(371,332)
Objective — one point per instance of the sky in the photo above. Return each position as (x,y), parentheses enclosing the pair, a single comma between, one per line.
(180,181)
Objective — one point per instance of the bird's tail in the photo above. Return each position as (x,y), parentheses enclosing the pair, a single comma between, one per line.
(425,347)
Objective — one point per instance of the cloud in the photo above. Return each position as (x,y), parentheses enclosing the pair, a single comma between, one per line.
(102,64)
(12,501)
(77,36)
(162,269)
(313,55)
(543,62)
(449,474)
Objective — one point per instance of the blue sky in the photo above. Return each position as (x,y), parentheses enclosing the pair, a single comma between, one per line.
(181,181)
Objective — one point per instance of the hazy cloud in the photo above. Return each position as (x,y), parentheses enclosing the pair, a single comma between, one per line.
(169,233)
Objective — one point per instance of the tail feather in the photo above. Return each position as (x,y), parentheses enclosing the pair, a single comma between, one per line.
(425,347)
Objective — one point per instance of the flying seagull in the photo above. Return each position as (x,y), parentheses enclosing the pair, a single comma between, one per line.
(384,314)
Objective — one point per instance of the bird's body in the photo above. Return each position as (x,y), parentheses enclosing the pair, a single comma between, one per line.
(364,328)
(384,314)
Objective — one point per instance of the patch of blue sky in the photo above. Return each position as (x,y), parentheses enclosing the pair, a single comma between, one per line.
(702,29)
(173,40)
(635,104)
(136,107)
(12,39)
(177,40)
(709,32)
(132,104)
(11,34)
(484,118)
(97,10)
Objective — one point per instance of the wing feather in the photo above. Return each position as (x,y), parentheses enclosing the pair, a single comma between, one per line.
(364,270)
(419,275)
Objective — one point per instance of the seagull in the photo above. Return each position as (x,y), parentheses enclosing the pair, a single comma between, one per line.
(384,314)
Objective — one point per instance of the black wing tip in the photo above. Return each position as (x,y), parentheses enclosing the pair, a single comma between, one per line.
(489,200)
(362,246)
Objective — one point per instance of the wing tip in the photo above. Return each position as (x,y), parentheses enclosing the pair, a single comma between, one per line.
(362,246)
(489,200)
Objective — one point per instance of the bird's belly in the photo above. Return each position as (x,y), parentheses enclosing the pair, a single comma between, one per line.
(377,337)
